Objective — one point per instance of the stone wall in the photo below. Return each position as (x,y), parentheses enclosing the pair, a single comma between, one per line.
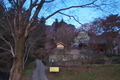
(68,57)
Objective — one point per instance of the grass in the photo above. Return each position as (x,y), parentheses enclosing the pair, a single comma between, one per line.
(87,72)
(114,57)
(27,73)
(89,75)
(28,69)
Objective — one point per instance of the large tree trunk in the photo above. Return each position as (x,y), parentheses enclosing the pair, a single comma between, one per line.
(16,70)
(18,61)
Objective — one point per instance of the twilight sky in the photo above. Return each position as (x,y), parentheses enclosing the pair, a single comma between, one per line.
(83,15)
(86,15)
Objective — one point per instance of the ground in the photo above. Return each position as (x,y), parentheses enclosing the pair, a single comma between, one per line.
(82,72)
(35,71)
(87,72)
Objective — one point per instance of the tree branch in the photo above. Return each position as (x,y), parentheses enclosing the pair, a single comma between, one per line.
(11,48)
(34,16)
(85,5)
(38,9)
(13,33)
(29,29)
(49,1)
(1,23)
(5,49)
(28,14)
(70,17)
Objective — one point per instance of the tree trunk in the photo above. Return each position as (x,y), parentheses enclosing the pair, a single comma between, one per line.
(18,61)
(16,70)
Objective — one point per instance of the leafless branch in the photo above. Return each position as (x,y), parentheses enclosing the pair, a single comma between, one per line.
(71,17)
(34,15)
(49,1)
(5,49)
(11,48)
(29,11)
(28,48)
(2,24)
(13,29)
(98,7)
(14,2)
(37,10)
(3,61)
(82,6)
(29,44)
(32,28)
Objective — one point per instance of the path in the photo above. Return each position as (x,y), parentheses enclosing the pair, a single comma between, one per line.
(39,72)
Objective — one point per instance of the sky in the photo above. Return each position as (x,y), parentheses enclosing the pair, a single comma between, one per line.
(83,15)
(86,16)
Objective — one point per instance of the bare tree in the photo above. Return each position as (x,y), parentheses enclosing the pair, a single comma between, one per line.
(65,34)
(22,19)
(105,30)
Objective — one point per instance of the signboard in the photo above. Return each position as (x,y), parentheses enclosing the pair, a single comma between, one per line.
(54,69)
